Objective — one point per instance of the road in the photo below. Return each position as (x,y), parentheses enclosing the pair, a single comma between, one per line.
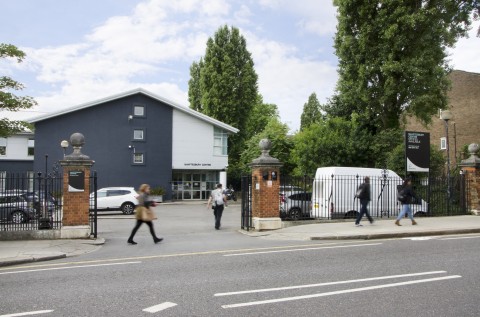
(198,271)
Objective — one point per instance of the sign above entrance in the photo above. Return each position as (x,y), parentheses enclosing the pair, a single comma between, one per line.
(197,164)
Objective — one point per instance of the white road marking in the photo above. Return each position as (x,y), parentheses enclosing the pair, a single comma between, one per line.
(420,238)
(69,267)
(304,249)
(38,312)
(457,238)
(285,299)
(328,283)
(159,307)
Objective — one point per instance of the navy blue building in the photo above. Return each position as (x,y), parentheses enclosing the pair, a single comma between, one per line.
(137,137)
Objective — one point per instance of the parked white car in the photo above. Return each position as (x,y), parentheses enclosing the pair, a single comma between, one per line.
(116,198)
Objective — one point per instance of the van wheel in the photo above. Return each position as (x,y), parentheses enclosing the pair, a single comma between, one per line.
(352,214)
(295,213)
(420,214)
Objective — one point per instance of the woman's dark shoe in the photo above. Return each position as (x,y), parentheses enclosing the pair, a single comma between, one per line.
(130,241)
(157,240)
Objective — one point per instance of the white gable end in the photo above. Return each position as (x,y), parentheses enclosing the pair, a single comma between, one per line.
(193,141)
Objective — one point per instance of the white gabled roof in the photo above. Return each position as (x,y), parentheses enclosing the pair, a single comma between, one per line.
(174,105)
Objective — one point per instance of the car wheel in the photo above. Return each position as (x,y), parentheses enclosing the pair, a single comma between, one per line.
(128,208)
(352,214)
(18,217)
(295,213)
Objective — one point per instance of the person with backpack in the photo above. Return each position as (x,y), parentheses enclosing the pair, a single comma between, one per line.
(405,197)
(218,201)
(363,193)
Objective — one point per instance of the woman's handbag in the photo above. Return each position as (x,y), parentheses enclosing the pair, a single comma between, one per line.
(144,214)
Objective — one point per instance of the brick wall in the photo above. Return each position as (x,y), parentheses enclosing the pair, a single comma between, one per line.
(464,103)
(265,199)
(76,204)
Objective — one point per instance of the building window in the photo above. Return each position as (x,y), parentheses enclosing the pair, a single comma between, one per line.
(443,143)
(31,147)
(138,134)
(138,158)
(220,138)
(139,111)
(3,146)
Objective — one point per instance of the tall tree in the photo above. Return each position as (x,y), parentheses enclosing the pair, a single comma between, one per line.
(228,83)
(8,100)
(311,112)
(194,90)
(392,56)
(259,117)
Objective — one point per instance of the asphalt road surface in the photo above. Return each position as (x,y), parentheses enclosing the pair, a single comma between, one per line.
(198,271)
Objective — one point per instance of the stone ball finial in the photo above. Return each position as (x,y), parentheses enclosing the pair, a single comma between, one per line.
(265,144)
(473,148)
(77,139)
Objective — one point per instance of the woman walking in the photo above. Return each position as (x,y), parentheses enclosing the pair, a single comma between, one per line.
(406,196)
(144,214)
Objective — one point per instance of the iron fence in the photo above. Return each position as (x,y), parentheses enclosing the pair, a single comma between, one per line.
(246,206)
(30,201)
(93,212)
(333,197)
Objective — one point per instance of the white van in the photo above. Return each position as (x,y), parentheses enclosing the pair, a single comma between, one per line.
(334,188)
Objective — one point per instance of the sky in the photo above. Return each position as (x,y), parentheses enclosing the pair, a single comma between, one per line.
(82,51)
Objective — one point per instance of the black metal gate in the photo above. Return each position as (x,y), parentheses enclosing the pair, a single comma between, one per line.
(93,205)
(30,201)
(246,202)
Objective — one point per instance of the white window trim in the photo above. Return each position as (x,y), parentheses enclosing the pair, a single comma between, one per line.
(443,143)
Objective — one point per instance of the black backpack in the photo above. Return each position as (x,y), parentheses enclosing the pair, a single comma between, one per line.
(402,195)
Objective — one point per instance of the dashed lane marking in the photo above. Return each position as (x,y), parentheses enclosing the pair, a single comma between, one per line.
(159,307)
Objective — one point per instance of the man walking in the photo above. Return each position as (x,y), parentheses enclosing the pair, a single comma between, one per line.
(218,199)
(363,193)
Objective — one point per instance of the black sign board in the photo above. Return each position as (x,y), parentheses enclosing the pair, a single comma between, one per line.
(76,181)
(417,151)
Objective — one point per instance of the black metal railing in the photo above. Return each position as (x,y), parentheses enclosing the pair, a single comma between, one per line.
(93,205)
(333,197)
(246,203)
(30,201)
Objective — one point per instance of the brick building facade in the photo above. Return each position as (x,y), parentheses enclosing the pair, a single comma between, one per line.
(464,103)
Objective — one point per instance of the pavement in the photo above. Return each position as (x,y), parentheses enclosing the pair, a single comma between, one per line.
(26,251)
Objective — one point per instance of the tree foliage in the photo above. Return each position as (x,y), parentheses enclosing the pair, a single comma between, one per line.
(194,90)
(311,112)
(259,117)
(10,101)
(282,144)
(228,83)
(332,142)
(392,56)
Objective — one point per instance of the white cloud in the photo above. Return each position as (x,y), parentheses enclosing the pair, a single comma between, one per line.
(465,54)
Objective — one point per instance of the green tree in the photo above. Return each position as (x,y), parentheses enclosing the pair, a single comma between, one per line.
(10,101)
(194,90)
(228,83)
(282,144)
(259,117)
(332,142)
(392,56)
(311,112)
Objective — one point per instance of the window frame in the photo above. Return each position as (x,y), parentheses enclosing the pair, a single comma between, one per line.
(134,155)
(143,130)
(443,143)
(222,136)
(135,106)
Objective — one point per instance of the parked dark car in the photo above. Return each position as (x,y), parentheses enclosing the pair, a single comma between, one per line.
(15,208)
(296,206)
